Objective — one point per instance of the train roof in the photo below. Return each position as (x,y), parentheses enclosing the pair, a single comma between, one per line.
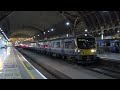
(109,40)
(58,39)
(63,38)
(85,36)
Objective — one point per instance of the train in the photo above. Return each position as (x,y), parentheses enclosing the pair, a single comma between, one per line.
(109,45)
(81,49)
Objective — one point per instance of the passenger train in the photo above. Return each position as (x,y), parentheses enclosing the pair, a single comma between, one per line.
(109,45)
(81,49)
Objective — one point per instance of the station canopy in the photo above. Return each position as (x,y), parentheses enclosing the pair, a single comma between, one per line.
(37,25)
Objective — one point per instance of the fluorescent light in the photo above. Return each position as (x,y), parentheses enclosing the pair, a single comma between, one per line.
(5,35)
(52,29)
(86,30)
(67,35)
(85,34)
(67,23)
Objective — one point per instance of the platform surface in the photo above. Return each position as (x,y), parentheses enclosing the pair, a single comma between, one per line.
(14,66)
(112,56)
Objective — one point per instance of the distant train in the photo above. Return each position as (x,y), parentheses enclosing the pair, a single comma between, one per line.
(81,49)
(109,45)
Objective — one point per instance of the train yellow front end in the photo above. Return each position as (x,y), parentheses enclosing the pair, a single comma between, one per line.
(86,49)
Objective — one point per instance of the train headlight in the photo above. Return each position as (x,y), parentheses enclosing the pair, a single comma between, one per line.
(76,50)
(93,50)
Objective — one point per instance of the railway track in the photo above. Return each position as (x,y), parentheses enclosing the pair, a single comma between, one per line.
(105,70)
(52,73)
(48,71)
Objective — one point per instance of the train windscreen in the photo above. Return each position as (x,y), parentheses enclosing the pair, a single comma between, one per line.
(86,43)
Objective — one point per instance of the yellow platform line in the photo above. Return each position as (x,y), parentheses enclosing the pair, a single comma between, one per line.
(31,75)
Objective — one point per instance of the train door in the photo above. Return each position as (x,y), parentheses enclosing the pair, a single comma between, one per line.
(46,46)
(69,47)
(55,49)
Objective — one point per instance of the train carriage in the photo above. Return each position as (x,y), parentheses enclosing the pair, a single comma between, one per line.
(109,45)
(81,48)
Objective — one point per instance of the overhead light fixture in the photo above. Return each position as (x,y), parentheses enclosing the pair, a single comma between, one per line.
(48,31)
(67,35)
(67,23)
(38,35)
(52,29)
(85,30)
(44,32)
(85,34)
(118,31)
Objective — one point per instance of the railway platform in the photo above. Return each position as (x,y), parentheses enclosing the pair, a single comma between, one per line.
(14,66)
(110,56)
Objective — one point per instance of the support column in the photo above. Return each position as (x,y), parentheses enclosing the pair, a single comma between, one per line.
(73,30)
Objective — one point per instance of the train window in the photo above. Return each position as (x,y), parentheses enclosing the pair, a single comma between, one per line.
(69,44)
(113,44)
(107,44)
(42,45)
(73,44)
(117,44)
(62,44)
(56,44)
(52,45)
(86,43)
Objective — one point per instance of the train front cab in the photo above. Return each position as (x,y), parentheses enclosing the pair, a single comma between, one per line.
(86,50)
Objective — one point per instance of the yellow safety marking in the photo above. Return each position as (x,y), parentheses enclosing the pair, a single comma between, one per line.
(31,75)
